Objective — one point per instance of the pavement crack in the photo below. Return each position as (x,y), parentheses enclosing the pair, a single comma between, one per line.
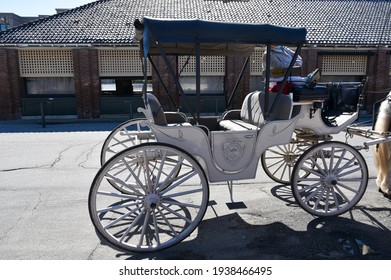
(23,168)
(87,155)
(5,233)
(60,155)
(38,203)
(91,255)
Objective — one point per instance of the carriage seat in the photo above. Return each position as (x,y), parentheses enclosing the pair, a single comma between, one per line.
(164,118)
(251,115)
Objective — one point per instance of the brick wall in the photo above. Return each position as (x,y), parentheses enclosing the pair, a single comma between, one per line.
(233,67)
(87,83)
(159,90)
(311,60)
(378,77)
(11,85)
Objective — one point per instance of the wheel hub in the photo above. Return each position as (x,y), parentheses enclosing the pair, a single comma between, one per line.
(331,181)
(290,159)
(152,201)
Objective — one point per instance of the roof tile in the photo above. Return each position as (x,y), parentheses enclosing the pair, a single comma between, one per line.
(110,22)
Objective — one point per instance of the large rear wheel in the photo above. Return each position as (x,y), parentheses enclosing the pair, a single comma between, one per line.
(163,197)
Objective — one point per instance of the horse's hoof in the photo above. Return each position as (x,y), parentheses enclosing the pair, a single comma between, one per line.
(385,194)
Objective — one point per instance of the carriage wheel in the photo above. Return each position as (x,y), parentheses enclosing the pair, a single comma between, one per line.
(337,179)
(166,197)
(278,161)
(126,135)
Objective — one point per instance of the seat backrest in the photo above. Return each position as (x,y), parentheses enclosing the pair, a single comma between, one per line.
(252,111)
(156,110)
(283,108)
(253,107)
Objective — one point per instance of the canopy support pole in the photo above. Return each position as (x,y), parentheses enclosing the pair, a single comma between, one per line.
(198,79)
(267,80)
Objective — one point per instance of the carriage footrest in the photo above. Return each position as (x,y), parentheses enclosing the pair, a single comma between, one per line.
(236,205)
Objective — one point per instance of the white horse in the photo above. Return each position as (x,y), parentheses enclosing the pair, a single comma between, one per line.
(383,150)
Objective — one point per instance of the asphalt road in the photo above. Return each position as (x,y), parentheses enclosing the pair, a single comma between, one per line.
(46,173)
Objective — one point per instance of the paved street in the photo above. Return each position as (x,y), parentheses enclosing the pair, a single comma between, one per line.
(46,173)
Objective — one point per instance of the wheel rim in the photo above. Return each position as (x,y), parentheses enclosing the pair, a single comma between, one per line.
(165,199)
(278,161)
(126,135)
(337,177)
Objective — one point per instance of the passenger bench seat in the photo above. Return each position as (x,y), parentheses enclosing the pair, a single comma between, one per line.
(252,111)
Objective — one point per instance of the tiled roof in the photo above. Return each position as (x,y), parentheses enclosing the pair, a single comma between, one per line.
(110,22)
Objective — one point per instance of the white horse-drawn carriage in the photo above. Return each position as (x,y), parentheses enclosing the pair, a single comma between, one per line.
(153,187)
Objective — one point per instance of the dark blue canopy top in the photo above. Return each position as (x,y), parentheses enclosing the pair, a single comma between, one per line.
(224,38)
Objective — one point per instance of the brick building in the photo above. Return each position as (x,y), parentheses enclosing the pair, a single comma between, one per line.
(85,61)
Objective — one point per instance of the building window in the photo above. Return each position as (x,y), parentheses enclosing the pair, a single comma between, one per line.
(213,85)
(212,74)
(121,86)
(121,72)
(50,86)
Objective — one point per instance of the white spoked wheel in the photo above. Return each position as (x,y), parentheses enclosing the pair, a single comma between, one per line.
(337,177)
(278,161)
(126,135)
(163,197)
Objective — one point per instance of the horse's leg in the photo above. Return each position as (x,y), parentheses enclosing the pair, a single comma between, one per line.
(384,168)
(382,152)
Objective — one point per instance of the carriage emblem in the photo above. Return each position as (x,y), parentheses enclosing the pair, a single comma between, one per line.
(233,150)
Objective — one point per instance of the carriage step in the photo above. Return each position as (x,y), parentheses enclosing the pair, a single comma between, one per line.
(236,205)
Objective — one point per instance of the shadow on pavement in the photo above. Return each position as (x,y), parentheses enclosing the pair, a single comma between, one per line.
(230,237)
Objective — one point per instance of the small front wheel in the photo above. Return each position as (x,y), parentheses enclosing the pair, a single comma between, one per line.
(148,197)
(336,178)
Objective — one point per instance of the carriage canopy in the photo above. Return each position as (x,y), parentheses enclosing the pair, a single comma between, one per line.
(178,36)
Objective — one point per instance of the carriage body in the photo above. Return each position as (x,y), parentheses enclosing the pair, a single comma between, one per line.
(153,187)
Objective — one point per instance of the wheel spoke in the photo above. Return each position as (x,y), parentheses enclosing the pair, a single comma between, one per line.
(127,196)
(116,207)
(335,198)
(318,199)
(178,181)
(167,222)
(183,205)
(135,221)
(176,214)
(121,218)
(347,188)
(135,176)
(313,186)
(144,228)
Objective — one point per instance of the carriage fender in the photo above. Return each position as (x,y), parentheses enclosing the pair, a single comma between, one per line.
(276,133)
